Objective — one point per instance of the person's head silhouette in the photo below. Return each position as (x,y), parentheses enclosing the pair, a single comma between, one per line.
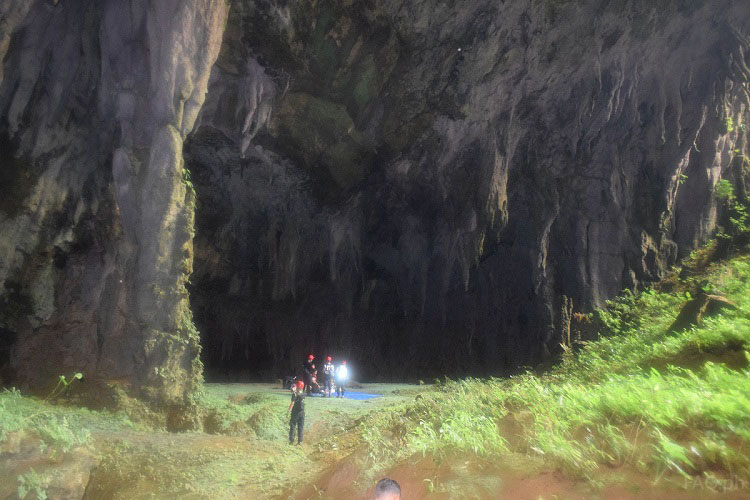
(387,489)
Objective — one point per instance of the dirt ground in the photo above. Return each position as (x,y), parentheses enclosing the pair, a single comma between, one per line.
(457,478)
(518,477)
(140,464)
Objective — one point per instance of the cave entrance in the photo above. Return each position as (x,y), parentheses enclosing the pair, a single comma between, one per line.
(261,291)
(235,244)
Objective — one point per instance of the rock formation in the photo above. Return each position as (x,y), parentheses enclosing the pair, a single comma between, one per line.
(421,187)
(97,99)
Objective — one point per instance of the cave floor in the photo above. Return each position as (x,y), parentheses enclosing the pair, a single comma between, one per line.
(201,465)
(133,461)
(248,463)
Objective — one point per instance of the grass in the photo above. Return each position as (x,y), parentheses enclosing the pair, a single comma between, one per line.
(258,414)
(194,466)
(57,427)
(46,436)
(242,449)
(248,455)
(667,404)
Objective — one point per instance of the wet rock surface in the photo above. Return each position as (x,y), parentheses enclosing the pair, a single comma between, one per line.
(422,188)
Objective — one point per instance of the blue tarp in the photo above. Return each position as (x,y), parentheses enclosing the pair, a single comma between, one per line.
(351,395)
(360,395)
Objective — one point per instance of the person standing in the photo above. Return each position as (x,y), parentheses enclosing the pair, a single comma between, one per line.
(328,372)
(297,412)
(308,367)
(342,374)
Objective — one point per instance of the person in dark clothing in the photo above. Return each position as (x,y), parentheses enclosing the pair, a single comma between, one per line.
(297,412)
(308,367)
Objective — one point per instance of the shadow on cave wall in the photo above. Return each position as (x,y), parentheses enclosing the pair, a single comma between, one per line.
(280,273)
(368,190)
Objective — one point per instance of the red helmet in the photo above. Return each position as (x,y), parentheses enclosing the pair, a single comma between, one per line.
(300,384)
(328,358)
(311,357)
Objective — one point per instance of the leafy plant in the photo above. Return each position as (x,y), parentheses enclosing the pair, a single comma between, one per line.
(62,385)
(187,179)
(55,430)
(724,191)
(31,482)
(729,124)
(737,211)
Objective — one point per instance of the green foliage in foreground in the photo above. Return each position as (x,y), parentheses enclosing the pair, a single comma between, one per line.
(55,430)
(27,416)
(31,482)
(638,419)
(257,414)
(663,403)
(738,211)
(58,428)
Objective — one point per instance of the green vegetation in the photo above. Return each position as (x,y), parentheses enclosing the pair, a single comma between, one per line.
(187,179)
(63,384)
(31,482)
(255,414)
(737,211)
(729,124)
(724,190)
(23,415)
(46,434)
(57,428)
(663,403)
(243,451)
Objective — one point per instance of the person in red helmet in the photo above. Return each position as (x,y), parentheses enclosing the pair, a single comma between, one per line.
(297,412)
(308,368)
(342,375)
(328,372)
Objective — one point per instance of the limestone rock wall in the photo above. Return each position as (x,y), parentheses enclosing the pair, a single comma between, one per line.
(420,186)
(96,100)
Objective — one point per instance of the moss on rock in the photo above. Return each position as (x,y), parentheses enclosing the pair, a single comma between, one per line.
(322,135)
